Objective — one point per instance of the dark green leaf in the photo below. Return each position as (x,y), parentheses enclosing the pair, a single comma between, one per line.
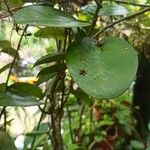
(4,44)
(36,133)
(44,78)
(46,15)
(5,67)
(27,88)
(10,51)
(79,93)
(50,33)
(6,142)
(49,58)
(10,99)
(52,69)
(2,86)
(103,71)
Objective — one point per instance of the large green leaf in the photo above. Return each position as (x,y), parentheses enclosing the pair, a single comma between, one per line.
(46,15)
(26,88)
(106,10)
(11,99)
(49,58)
(6,142)
(102,70)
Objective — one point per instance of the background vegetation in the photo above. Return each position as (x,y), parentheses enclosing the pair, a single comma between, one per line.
(52,62)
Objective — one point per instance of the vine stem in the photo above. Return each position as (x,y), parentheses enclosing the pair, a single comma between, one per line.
(15,57)
(121,20)
(9,73)
(99,6)
(39,122)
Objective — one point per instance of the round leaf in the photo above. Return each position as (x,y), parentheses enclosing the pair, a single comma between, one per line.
(102,70)
(46,15)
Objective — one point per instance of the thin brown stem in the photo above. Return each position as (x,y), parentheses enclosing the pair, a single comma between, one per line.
(16,54)
(40,120)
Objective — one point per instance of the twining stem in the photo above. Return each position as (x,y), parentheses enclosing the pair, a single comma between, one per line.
(9,73)
(16,54)
(121,20)
(40,120)
(99,6)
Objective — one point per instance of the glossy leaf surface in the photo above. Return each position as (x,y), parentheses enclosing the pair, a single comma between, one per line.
(102,70)
(46,15)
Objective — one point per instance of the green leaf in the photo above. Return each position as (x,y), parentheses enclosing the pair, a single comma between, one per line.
(102,70)
(11,99)
(137,145)
(6,142)
(44,78)
(113,10)
(52,69)
(98,137)
(5,67)
(46,15)
(4,44)
(106,10)
(50,33)
(10,51)
(2,86)
(36,133)
(40,140)
(26,88)
(79,93)
(49,58)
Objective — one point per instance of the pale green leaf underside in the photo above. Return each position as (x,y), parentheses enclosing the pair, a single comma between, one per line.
(46,15)
(106,10)
(104,71)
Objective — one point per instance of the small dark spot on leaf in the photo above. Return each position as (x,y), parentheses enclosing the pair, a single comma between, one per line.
(83,71)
